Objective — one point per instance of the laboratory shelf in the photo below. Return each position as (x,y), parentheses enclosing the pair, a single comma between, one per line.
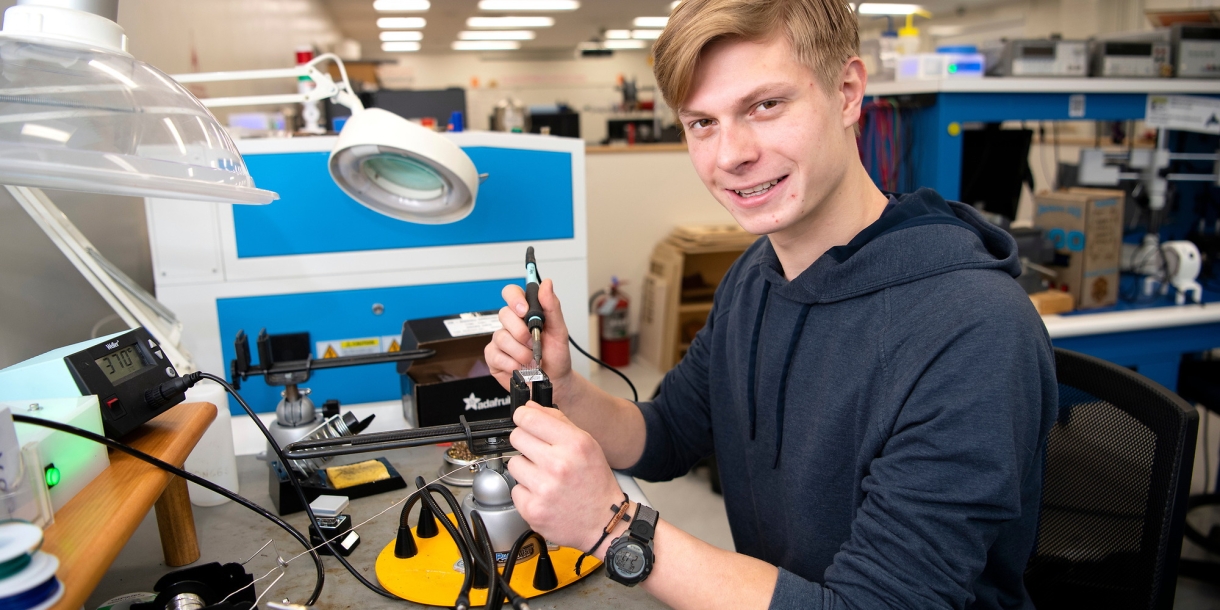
(1046,85)
(942,106)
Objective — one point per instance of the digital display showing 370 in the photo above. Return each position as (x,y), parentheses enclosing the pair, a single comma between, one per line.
(120,364)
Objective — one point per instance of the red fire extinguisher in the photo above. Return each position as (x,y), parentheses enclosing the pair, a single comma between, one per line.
(612,322)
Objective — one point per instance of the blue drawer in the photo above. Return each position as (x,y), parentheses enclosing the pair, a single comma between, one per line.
(345,314)
(526,197)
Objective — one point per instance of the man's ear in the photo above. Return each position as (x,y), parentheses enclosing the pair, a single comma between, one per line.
(853,80)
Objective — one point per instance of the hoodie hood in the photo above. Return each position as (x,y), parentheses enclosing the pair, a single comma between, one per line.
(919,235)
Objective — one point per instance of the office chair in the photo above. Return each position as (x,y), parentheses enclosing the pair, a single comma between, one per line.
(1199,382)
(1117,474)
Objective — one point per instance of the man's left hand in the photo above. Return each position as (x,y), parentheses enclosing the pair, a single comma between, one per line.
(564,485)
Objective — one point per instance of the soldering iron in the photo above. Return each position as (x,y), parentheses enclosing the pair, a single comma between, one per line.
(534,318)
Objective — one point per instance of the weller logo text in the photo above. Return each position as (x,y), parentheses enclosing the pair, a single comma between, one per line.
(112,345)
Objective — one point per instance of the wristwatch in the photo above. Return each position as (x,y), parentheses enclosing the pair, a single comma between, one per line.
(629,560)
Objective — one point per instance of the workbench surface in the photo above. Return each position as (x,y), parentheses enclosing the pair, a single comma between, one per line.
(230,533)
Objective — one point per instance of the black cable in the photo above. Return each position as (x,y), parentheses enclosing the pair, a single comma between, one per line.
(635,395)
(460,538)
(494,596)
(296,485)
(200,481)
(580,349)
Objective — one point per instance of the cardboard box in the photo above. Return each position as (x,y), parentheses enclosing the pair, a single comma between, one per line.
(449,384)
(1087,226)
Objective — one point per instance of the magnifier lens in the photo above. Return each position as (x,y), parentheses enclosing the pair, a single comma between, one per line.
(404,177)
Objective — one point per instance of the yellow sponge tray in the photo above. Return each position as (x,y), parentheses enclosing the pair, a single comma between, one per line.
(357,474)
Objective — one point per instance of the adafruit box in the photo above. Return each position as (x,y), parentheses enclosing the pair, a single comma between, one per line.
(456,381)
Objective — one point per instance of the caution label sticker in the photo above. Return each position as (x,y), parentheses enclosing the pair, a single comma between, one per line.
(336,348)
(472,324)
(348,347)
(391,343)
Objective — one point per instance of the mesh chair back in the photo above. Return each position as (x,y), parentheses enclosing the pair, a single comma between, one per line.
(1118,464)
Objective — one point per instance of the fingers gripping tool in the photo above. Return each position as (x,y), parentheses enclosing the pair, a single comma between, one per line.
(519,386)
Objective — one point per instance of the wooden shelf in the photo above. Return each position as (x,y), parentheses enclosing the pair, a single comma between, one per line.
(91,529)
(650,147)
(700,307)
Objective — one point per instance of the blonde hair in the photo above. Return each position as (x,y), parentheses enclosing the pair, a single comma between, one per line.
(823,35)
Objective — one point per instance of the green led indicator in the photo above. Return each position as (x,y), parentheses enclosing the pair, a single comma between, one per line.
(51,473)
(952,68)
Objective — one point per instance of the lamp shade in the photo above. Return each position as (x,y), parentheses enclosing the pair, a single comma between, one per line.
(403,170)
(86,117)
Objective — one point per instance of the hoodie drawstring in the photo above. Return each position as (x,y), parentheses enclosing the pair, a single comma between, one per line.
(752,390)
(783,380)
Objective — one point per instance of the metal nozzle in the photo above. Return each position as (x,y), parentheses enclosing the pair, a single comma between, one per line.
(537,333)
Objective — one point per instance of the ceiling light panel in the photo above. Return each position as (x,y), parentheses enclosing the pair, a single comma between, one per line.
(399,47)
(401,23)
(650,22)
(618,34)
(625,44)
(402,5)
(528,5)
(485,45)
(401,36)
(510,22)
(874,8)
(646,34)
(497,35)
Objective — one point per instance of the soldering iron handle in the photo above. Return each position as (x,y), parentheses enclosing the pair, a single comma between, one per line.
(534,318)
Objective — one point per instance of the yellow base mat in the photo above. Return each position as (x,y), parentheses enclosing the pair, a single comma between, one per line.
(431,577)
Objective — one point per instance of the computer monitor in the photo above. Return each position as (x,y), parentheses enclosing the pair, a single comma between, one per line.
(994,164)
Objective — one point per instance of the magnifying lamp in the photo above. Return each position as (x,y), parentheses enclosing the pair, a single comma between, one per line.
(383,161)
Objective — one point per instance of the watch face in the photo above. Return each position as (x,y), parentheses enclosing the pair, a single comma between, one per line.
(629,561)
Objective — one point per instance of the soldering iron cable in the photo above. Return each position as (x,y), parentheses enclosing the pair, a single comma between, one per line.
(200,481)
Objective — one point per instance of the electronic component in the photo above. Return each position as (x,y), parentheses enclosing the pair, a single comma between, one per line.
(1196,50)
(334,527)
(1041,57)
(1131,58)
(932,66)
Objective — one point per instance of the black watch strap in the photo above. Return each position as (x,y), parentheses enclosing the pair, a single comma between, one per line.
(644,524)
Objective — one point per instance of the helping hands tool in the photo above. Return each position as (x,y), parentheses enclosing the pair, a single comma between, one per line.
(483,437)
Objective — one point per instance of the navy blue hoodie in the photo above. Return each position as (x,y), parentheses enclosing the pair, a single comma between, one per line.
(879,421)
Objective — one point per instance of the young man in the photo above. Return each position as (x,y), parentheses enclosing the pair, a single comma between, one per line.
(875,386)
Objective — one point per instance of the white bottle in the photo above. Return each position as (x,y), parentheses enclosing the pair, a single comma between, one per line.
(213,458)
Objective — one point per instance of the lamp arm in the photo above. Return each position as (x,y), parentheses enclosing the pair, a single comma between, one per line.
(135,306)
(325,87)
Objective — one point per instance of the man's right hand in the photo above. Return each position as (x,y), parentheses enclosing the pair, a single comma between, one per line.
(511,347)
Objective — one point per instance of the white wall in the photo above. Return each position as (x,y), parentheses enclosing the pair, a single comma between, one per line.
(634,200)
(589,86)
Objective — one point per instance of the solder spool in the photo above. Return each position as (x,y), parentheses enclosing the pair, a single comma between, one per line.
(27,575)
(456,465)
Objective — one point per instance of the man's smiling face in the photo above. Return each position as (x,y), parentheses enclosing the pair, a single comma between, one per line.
(766,138)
